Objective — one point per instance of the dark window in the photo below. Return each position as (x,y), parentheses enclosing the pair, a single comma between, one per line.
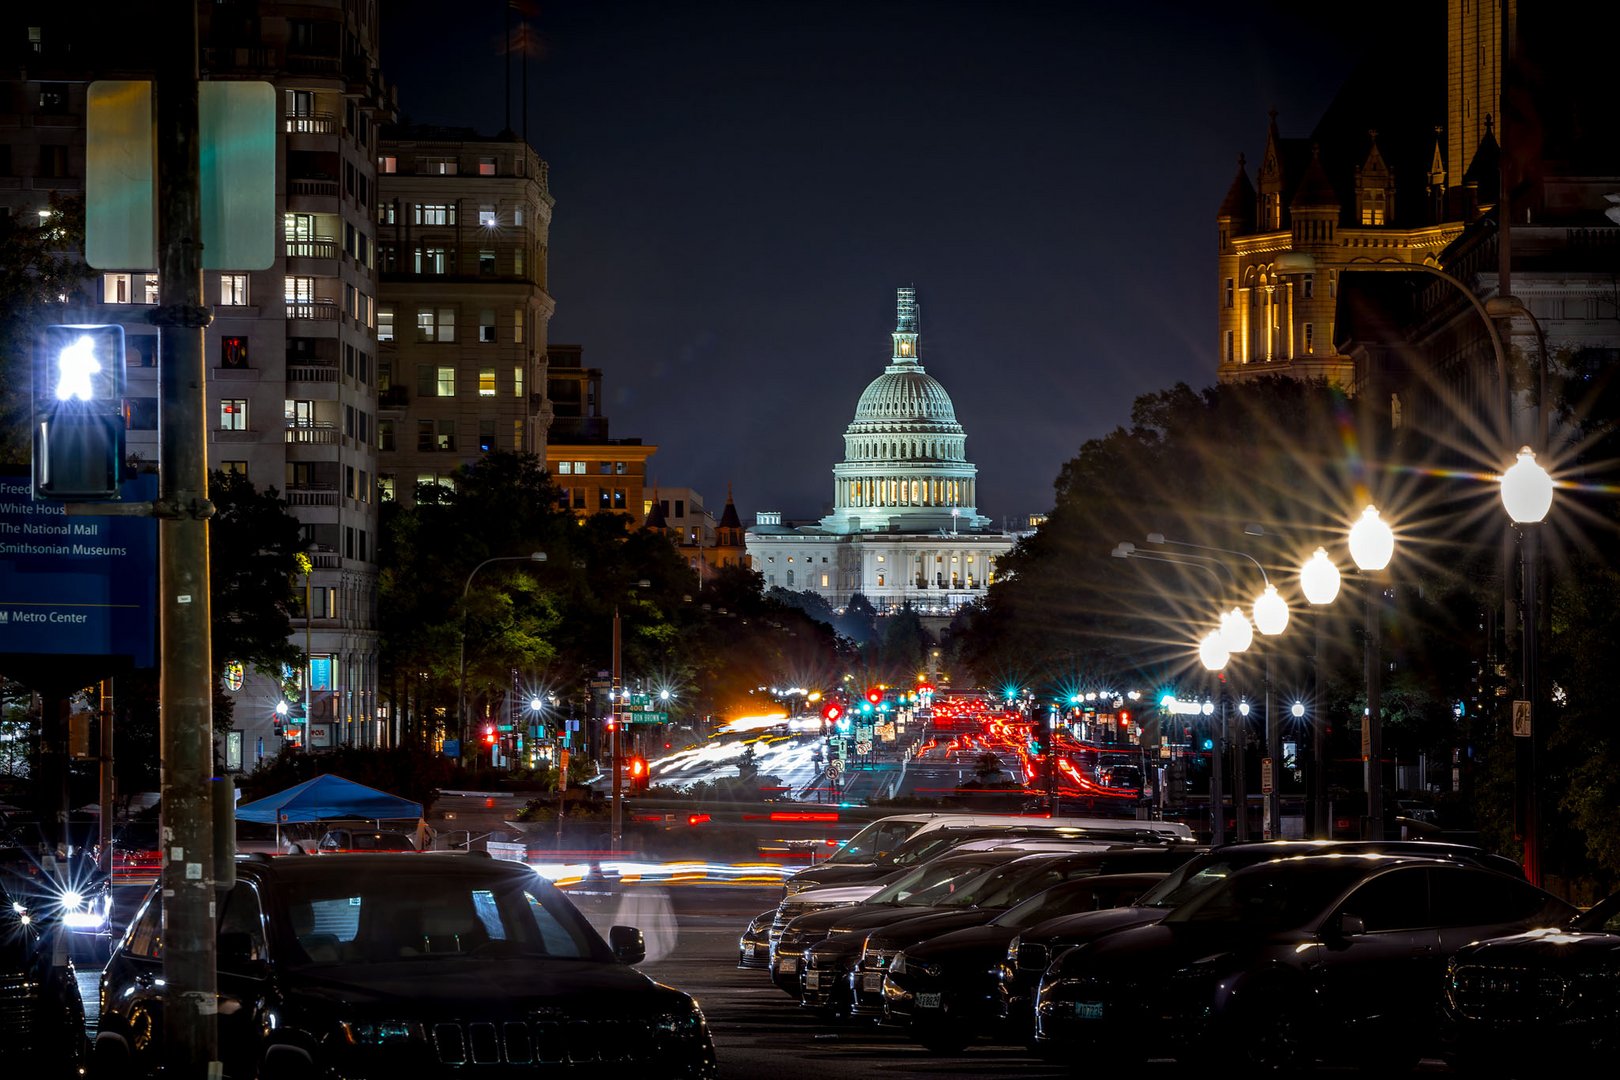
(143,413)
(144,346)
(424,435)
(1398,900)
(53,97)
(52,161)
(1464,897)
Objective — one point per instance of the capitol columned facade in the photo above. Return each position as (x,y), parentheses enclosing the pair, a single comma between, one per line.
(905,526)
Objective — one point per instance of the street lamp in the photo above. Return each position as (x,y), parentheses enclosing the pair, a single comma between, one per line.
(1527,493)
(1372,545)
(461,663)
(1319,581)
(1212,652)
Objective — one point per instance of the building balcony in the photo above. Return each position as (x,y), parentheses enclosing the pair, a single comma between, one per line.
(395,397)
(323,187)
(313,124)
(313,310)
(312,496)
(312,435)
(312,372)
(319,248)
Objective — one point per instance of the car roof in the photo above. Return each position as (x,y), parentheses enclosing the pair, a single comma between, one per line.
(294,868)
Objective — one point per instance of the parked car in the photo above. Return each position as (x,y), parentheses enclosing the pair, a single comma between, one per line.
(911,892)
(944,987)
(362,840)
(1538,1001)
(845,973)
(1029,954)
(372,965)
(1285,962)
(754,947)
(41,1012)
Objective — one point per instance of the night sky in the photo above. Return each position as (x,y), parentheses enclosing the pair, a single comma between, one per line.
(741,186)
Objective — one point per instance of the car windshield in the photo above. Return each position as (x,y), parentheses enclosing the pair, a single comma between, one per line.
(1192,879)
(1004,886)
(926,883)
(1048,904)
(919,849)
(1269,899)
(873,842)
(384,917)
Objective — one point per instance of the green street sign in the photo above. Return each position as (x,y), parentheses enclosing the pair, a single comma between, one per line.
(647,718)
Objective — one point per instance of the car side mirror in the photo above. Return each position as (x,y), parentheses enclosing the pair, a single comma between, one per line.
(1349,926)
(629,947)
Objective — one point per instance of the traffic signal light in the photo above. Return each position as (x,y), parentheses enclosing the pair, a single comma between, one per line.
(489,736)
(79,412)
(1175,782)
(874,695)
(639,774)
(832,712)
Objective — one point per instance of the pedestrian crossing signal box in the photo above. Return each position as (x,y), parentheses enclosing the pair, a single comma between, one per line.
(78,412)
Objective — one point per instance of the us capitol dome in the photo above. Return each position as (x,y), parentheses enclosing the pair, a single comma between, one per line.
(905,526)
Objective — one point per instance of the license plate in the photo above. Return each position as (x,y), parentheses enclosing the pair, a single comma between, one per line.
(812,980)
(872,982)
(929,1001)
(784,966)
(1088,1010)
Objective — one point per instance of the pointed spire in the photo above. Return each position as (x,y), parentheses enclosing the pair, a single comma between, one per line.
(1315,189)
(1239,202)
(728,516)
(656,518)
(1485,170)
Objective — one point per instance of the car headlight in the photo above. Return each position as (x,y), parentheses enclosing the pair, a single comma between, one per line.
(679,1025)
(1012,949)
(899,965)
(378,1032)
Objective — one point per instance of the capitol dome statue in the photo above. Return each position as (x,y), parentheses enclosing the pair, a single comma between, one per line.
(905,467)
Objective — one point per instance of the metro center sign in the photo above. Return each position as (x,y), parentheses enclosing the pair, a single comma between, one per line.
(76,586)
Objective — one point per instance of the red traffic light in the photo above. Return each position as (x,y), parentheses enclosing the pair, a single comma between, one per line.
(874,695)
(832,712)
(638,767)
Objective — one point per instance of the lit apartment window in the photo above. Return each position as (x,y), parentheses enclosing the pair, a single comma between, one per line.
(565,468)
(486,382)
(233,414)
(517,381)
(430,260)
(129,288)
(517,262)
(618,468)
(233,290)
(388,163)
(517,326)
(435,214)
(486,217)
(486,166)
(385,487)
(517,217)
(234,468)
(579,468)
(447,324)
(436,166)
(486,326)
(1310,338)
(435,324)
(445,381)
(385,324)
(823,581)
(385,434)
(299,290)
(486,436)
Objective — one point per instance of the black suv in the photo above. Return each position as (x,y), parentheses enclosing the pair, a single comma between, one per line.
(41,1013)
(436,965)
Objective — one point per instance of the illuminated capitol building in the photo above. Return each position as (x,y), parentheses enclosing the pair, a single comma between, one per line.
(905,527)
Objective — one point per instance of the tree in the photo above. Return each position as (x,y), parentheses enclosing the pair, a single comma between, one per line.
(859,621)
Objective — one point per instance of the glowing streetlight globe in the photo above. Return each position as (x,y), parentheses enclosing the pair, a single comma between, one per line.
(1236,632)
(1271,612)
(1212,651)
(1372,541)
(1319,578)
(1297,709)
(1527,490)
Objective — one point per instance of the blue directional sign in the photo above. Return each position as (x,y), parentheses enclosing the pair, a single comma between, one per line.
(77,585)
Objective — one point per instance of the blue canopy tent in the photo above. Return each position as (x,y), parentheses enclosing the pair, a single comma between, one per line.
(327,797)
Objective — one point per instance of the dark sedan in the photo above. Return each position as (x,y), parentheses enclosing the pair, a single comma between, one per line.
(945,987)
(1029,954)
(1285,962)
(1531,1002)
(848,970)
(41,1013)
(920,888)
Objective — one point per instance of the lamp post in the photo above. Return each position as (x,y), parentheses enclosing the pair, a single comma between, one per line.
(1372,544)
(1319,581)
(461,663)
(1527,493)
(1213,654)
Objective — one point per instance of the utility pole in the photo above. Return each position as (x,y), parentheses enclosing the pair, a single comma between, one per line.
(616,722)
(190,1035)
